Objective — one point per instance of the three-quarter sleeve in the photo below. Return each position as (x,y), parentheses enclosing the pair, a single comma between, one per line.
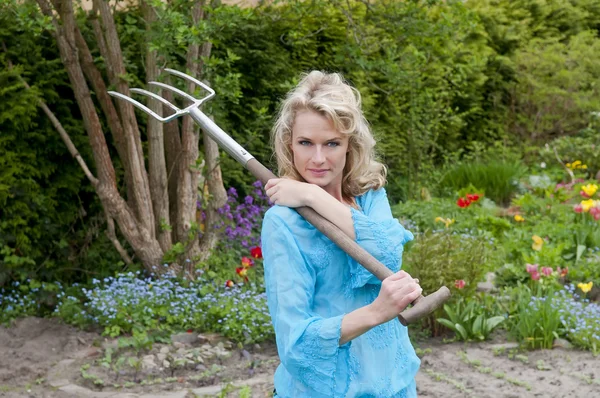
(308,344)
(379,233)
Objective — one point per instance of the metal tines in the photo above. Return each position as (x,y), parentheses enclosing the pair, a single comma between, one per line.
(196,102)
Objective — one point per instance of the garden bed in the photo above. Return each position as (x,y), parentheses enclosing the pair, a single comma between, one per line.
(38,357)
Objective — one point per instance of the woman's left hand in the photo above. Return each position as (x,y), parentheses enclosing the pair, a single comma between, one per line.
(289,193)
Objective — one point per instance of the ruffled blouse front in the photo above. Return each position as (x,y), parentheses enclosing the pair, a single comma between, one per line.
(311,284)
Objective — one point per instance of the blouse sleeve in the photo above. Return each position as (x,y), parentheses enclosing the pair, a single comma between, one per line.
(307,344)
(379,233)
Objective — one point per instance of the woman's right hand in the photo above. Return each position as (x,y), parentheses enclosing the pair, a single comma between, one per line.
(397,292)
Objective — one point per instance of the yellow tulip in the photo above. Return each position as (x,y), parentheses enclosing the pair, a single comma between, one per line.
(586,205)
(519,218)
(585,287)
(590,189)
(537,243)
(447,222)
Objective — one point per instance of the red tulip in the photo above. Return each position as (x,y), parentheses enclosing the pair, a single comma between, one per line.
(229,283)
(256,252)
(459,284)
(473,197)
(463,202)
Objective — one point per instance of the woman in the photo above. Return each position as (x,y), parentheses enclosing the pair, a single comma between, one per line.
(335,323)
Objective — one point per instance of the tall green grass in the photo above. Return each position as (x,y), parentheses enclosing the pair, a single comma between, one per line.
(497,178)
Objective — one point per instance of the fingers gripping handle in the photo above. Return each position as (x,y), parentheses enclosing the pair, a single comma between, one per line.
(422,306)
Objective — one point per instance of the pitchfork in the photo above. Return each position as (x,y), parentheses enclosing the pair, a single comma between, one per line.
(421,306)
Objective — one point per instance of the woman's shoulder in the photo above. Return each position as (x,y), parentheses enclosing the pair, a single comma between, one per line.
(281,214)
(369,196)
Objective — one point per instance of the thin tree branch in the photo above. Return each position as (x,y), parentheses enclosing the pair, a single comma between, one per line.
(112,236)
(564,165)
(59,127)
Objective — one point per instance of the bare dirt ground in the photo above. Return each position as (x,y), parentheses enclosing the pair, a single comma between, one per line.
(43,358)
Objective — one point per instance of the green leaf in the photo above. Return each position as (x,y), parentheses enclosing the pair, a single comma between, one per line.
(477,325)
(580,251)
(462,331)
(447,323)
(491,323)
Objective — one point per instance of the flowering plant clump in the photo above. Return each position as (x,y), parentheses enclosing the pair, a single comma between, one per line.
(467,200)
(576,165)
(127,300)
(29,298)
(580,319)
(242,220)
(15,302)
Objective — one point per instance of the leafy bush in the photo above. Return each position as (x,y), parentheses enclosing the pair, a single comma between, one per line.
(556,90)
(444,259)
(581,146)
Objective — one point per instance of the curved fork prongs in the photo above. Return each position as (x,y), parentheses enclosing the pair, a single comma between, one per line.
(175,90)
(193,80)
(137,104)
(145,109)
(155,96)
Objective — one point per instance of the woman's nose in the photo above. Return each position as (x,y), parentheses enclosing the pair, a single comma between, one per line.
(318,156)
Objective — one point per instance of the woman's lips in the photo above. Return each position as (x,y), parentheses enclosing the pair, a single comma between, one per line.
(318,172)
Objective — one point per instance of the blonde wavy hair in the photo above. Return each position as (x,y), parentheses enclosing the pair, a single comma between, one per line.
(331,96)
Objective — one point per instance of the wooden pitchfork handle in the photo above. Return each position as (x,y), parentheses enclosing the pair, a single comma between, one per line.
(421,307)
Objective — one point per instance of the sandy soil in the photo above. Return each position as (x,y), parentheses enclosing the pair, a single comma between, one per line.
(35,352)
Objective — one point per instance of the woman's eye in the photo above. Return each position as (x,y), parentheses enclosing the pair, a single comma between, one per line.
(305,143)
(333,144)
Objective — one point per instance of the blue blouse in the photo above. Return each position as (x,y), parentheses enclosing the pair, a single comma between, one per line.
(311,284)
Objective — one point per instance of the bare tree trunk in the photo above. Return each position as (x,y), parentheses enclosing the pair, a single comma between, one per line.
(172,154)
(216,200)
(141,190)
(94,78)
(188,174)
(156,149)
(217,196)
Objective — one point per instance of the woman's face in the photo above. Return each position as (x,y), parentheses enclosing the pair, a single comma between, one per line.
(319,150)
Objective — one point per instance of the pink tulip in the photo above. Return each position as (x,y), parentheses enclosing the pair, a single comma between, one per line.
(531,268)
(535,275)
(578,208)
(547,271)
